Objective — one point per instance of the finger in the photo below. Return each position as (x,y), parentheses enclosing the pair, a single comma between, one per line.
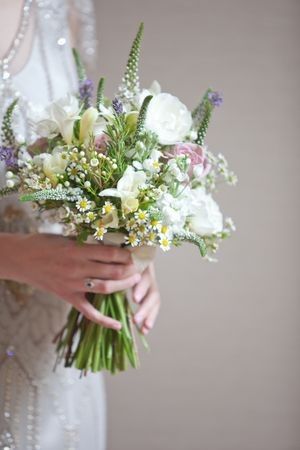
(88,310)
(109,286)
(106,253)
(107,271)
(148,303)
(141,289)
(150,319)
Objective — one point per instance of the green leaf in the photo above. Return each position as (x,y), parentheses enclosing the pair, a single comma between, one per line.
(142,117)
(100,91)
(81,74)
(76,129)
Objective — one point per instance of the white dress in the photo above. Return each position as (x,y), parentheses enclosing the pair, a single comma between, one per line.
(42,409)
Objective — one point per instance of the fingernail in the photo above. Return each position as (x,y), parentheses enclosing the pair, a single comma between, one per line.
(137,277)
(117,326)
(138,318)
(137,297)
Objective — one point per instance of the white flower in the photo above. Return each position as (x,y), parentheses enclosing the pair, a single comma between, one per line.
(53,164)
(165,243)
(174,212)
(168,118)
(83,204)
(152,164)
(132,239)
(206,219)
(127,189)
(154,89)
(99,233)
(176,172)
(59,116)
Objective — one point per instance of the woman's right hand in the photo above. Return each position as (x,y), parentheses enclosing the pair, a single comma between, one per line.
(62,266)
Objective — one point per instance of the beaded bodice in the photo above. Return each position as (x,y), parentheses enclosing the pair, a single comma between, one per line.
(29,319)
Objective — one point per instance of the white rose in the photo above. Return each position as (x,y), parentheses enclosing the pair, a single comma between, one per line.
(206,218)
(154,89)
(168,118)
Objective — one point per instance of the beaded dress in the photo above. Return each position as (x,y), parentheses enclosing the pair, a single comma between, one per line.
(40,408)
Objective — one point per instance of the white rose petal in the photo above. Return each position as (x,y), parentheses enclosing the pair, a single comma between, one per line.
(207,218)
(168,118)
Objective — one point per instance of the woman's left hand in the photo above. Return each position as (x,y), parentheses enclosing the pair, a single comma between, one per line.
(146,294)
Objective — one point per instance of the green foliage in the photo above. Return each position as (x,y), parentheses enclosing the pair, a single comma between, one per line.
(118,133)
(100,91)
(142,118)
(199,111)
(4,192)
(202,130)
(70,194)
(192,238)
(81,74)
(130,86)
(7,134)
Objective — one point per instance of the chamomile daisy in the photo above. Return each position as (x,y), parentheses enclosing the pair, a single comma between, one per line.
(99,233)
(83,204)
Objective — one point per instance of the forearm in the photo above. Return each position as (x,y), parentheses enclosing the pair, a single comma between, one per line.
(8,255)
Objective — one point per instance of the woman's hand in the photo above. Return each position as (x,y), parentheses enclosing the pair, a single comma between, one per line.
(62,266)
(146,294)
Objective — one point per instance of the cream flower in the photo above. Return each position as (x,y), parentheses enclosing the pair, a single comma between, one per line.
(127,189)
(58,117)
(87,123)
(64,113)
(168,118)
(53,164)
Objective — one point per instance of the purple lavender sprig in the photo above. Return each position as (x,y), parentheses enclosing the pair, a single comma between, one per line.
(117,106)
(86,89)
(215,98)
(7,154)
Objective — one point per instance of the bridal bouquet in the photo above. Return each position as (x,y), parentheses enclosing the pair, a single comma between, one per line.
(134,171)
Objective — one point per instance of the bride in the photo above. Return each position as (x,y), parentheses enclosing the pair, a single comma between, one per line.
(41,272)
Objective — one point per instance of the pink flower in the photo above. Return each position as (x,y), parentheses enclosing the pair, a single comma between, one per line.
(199,165)
(101,142)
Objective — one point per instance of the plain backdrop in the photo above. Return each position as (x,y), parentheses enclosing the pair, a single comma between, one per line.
(224,368)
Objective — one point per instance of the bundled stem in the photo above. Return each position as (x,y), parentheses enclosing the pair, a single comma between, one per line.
(99,348)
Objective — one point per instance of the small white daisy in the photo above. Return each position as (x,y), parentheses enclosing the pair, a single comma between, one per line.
(99,233)
(83,204)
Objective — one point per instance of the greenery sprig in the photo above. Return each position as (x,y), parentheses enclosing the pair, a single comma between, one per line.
(81,73)
(142,118)
(192,238)
(130,81)
(7,134)
(70,194)
(100,90)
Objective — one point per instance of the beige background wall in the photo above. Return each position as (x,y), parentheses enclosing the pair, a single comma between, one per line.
(224,370)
